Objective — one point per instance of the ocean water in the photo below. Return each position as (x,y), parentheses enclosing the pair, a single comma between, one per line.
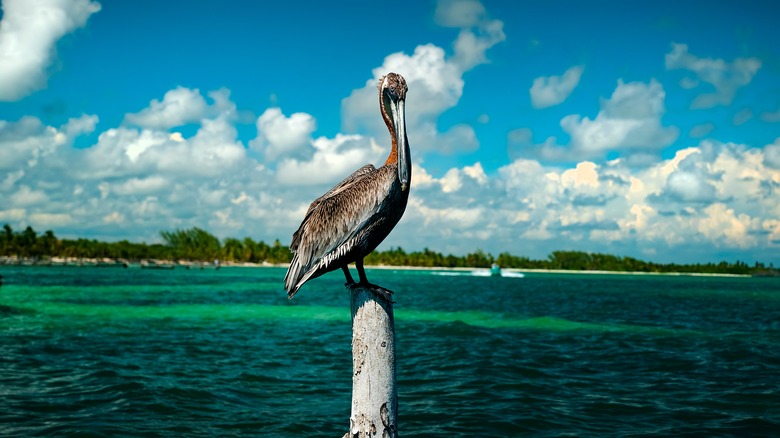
(130,352)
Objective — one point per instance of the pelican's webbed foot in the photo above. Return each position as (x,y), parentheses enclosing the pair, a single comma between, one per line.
(385,294)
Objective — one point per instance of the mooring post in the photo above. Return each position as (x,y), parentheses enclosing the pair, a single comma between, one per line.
(374,395)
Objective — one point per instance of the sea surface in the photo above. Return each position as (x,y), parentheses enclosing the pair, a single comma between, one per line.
(130,352)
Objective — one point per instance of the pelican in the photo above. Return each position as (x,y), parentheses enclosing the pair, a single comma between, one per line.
(349,221)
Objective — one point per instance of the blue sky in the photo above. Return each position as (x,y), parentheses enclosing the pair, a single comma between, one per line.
(647,130)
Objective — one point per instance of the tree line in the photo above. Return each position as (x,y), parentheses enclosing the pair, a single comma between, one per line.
(196,244)
(193,244)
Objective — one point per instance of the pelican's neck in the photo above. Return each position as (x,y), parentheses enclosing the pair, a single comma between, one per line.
(393,157)
(394,112)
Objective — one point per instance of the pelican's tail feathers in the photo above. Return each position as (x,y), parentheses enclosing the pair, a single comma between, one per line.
(293,275)
(296,276)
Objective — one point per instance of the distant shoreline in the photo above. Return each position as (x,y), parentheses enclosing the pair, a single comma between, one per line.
(555,271)
(189,264)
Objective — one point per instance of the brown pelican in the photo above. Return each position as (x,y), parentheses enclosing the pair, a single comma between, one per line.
(349,221)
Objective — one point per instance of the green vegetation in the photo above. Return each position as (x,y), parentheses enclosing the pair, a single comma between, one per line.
(194,244)
(198,245)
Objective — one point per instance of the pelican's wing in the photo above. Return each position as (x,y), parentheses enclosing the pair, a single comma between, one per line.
(368,168)
(332,228)
(337,188)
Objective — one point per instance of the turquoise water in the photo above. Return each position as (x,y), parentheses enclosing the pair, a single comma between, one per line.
(131,352)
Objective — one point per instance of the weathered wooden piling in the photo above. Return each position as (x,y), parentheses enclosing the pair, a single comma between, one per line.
(374,395)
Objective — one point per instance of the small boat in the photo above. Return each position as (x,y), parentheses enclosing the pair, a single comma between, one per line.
(495,270)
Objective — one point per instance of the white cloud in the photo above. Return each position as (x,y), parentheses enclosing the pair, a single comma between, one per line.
(585,174)
(724,76)
(333,160)
(178,107)
(141,186)
(720,224)
(711,196)
(25,142)
(113,217)
(279,136)
(131,152)
(26,197)
(212,151)
(629,121)
(44,221)
(772,155)
(472,44)
(22,142)
(477,34)
(13,215)
(477,173)
(548,91)
(29,32)
(455,179)
(690,187)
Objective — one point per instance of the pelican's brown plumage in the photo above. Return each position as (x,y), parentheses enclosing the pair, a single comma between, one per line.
(349,221)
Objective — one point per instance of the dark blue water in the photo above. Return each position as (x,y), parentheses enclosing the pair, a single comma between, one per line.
(114,352)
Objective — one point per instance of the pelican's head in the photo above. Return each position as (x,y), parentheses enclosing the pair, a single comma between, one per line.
(392,95)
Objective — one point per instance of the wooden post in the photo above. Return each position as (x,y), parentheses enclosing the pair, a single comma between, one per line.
(374,395)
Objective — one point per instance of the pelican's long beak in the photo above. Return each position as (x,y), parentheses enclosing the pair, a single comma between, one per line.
(399,123)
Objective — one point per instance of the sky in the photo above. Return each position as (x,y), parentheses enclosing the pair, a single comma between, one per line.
(649,130)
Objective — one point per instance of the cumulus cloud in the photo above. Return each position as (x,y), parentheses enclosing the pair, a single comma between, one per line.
(179,106)
(278,135)
(332,160)
(141,185)
(26,197)
(477,34)
(136,181)
(472,44)
(630,119)
(629,122)
(726,77)
(711,196)
(689,186)
(29,32)
(25,142)
(549,91)
(772,155)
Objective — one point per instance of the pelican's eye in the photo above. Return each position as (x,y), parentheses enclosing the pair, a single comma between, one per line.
(393,92)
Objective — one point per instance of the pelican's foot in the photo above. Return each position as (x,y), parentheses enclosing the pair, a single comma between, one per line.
(385,294)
